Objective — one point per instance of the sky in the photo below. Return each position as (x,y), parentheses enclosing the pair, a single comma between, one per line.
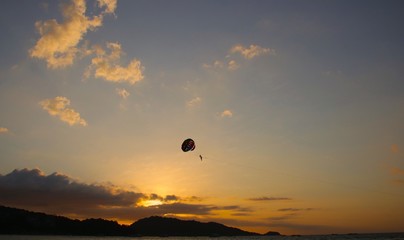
(297,108)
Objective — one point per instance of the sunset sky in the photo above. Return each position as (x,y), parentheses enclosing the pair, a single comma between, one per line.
(297,108)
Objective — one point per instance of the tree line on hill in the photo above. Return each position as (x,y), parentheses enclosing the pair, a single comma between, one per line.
(19,221)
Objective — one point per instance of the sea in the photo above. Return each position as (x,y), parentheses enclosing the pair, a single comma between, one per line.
(378,236)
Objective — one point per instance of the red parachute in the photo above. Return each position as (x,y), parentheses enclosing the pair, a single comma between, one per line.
(188,145)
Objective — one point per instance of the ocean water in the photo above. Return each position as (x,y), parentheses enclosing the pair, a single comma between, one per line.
(381,236)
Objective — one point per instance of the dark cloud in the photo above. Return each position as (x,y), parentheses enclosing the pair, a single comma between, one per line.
(294,209)
(193,199)
(269,199)
(169,198)
(283,217)
(200,209)
(60,194)
(136,212)
(33,188)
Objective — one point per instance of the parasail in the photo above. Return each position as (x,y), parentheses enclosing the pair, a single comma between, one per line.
(188,145)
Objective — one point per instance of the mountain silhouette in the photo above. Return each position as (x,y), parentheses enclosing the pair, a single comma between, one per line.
(23,222)
(19,221)
(162,226)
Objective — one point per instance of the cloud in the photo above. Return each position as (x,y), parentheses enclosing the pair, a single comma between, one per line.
(3,130)
(250,52)
(110,5)
(107,66)
(33,188)
(58,42)
(269,199)
(233,65)
(283,217)
(216,64)
(294,209)
(122,92)
(227,113)
(58,107)
(247,52)
(194,102)
(60,194)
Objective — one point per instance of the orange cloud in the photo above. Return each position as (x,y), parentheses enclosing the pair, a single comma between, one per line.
(106,66)
(110,5)
(3,130)
(269,199)
(58,42)
(58,107)
(227,113)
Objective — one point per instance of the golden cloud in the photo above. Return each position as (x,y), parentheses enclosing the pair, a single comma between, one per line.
(58,107)
(227,113)
(250,52)
(3,130)
(106,66)
(110,5)
(58,42)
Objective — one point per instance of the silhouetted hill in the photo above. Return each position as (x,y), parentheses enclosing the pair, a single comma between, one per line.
(271,233)
(18,221)
(161,226)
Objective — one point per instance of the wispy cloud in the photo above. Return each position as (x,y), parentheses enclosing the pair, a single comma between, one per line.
(294,209)
(226,113)
(233,65)
(58,42)
(269,199)
(250,52)
(58,106)
(194,102)
(3,130)
(215,65)
(107,66)
(122,92)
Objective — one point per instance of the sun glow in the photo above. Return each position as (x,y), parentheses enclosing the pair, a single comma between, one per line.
(151,203)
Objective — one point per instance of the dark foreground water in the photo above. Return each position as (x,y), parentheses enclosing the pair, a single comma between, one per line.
(384,236)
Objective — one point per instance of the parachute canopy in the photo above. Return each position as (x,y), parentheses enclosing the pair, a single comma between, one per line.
(188,145)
